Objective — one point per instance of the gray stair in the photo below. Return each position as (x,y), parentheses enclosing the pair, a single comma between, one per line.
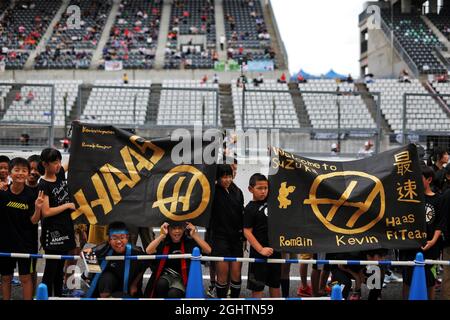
(163,32)
(276,45)
(443,104)
(300,106)
(226,106)
(80,102)
(10,98)
(369,101)
(220,28)
(153,104)
(48,33)
(97,56)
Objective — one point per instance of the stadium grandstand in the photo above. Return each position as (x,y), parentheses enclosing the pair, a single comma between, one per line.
(151,65)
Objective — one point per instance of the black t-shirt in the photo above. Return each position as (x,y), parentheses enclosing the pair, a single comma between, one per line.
(175,248)
(17,233)
(227,214)
(434,218)
(255,217)
(446,217)
(57,231)
(234,189)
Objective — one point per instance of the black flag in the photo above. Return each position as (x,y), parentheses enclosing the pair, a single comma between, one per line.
(117,176)
(320,206)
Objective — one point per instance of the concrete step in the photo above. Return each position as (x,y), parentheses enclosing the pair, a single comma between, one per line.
(220,29)
(226,106)
(443,104)
(163,32)
(48,33)
(97,57)
(300,106)
(84,93)
(372,107)
(153,104)
(274,35)
(9,99)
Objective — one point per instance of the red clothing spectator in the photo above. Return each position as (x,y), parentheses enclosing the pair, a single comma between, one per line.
(18,97)
(30,97)
(300,78)
(186,14)
(282,78)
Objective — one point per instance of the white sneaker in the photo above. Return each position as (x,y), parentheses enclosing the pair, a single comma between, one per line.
(392,278)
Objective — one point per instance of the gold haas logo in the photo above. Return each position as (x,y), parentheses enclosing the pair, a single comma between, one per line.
(284,192)
(175,196)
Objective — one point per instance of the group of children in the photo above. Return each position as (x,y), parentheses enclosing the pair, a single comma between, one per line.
(35,190)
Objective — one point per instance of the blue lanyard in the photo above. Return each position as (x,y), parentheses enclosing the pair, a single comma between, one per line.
(103,266)
(127,269)
(97,276)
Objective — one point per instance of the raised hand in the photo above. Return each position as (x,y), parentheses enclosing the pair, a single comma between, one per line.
(164,229)
(192,229)
(39,200)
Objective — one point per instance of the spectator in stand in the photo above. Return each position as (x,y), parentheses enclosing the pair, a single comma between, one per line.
(368,78)
(24,139)
(404,76)
(125,78)
(443,78)
(282,78)
(30,97)
(367,151)
(204,79)
(18,97)
(300,78)
(230,53)
(259,80)
(349,79)
(222,42)
(215,78)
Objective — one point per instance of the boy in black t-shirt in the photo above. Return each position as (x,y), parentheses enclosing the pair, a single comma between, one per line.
(32,182)
(169,277)
(257,234)
(435,221)
(4,171)
(20,208)
(226,232)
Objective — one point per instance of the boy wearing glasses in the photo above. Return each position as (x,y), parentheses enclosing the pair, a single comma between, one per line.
(119,278)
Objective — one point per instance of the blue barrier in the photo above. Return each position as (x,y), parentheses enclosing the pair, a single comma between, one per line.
(42,292)
(418,289)
(195,289)
(336,293)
